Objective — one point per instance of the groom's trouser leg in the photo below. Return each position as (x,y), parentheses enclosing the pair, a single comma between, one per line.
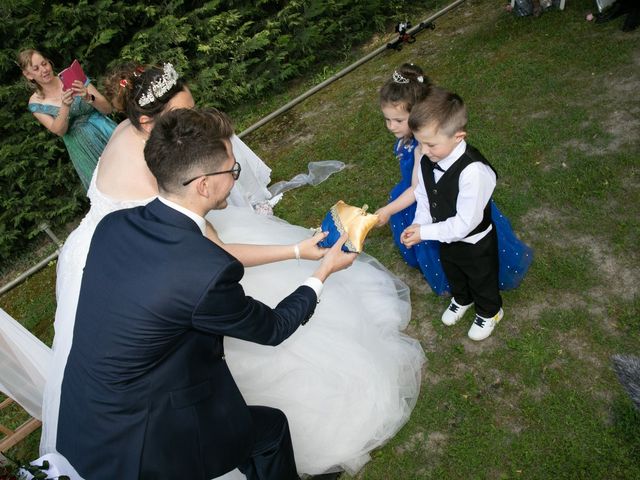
(272,455)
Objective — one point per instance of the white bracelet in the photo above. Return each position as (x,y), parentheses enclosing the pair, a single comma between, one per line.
(296,250)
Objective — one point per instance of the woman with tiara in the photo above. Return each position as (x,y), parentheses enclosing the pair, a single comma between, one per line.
(347,384)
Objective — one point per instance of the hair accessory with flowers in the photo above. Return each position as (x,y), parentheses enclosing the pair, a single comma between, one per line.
(123,83)
(398,78)
(138,71)
(420,79)
(160,86)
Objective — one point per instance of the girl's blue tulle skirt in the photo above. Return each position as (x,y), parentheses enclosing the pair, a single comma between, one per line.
(514,256)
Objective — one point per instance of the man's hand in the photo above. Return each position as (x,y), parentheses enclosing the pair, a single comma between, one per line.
(335,260)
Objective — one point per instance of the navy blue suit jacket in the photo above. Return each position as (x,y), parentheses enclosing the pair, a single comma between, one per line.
(146,391)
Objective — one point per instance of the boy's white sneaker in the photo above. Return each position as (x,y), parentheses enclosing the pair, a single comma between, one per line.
(454,312)
(482,327)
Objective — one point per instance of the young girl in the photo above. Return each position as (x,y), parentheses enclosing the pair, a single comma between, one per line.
(407,86)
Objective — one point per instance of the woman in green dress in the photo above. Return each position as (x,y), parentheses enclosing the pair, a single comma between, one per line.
(77,114)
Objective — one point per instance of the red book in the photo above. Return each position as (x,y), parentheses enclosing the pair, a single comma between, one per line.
(72,73)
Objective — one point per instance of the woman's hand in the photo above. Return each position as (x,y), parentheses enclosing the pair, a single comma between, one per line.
(309,249)
(79,90)
(67,97)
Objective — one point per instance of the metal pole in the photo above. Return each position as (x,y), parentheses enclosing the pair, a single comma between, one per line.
(343,72)
(23,276)
(45,228)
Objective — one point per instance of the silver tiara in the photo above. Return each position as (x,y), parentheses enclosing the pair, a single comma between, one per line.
(160,86)
(398,78)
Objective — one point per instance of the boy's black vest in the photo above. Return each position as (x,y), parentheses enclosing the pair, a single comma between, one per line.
(444,194)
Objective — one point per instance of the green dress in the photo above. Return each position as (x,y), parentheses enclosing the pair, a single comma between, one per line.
(87,135)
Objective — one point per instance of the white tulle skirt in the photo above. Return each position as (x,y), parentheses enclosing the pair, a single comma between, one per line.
(347,380)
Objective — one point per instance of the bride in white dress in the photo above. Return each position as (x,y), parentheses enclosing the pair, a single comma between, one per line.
(347,384)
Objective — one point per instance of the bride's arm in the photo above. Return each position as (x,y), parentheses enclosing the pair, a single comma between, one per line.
(252,255)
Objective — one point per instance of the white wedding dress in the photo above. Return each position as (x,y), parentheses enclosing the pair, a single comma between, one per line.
(347,381)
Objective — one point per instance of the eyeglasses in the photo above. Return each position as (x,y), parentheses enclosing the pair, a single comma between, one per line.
(235,173)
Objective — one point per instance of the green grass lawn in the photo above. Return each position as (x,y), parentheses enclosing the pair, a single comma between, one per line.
(554,105)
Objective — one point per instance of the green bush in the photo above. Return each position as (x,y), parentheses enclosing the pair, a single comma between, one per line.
(231,52)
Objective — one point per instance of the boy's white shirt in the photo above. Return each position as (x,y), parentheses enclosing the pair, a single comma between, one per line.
(476,184)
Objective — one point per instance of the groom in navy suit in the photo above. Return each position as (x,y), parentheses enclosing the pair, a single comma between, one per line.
(146,392)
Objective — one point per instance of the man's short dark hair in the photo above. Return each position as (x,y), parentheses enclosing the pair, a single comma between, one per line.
(185,142)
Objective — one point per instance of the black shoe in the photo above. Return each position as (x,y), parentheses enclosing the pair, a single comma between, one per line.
(617,9)
(632,21)
(327,476)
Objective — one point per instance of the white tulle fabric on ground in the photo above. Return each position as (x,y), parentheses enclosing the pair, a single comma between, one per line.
(24,359)
(318,173)
(348,380)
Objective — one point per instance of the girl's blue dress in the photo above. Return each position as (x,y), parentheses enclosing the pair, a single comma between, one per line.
(87,135)
(514,256)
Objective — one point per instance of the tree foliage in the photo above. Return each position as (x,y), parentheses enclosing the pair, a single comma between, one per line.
(230,51)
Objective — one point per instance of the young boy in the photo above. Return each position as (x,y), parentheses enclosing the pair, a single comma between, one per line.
(453,195)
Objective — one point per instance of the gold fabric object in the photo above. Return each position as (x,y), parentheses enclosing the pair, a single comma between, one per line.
(353,220)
